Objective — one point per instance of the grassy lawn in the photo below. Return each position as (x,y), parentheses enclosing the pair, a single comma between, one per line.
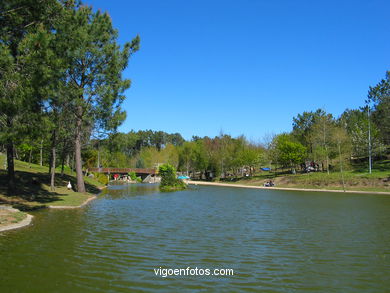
(33,187)
(69,198)
(355,179)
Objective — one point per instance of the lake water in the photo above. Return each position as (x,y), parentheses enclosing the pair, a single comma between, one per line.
(274,241)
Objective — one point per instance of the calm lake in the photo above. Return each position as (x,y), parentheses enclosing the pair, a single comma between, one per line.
(275,241)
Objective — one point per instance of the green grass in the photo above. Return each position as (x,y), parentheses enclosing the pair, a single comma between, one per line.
(69,198)
(33,187)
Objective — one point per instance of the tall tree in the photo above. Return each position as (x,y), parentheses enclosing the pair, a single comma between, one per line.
(303,127)
(289,152)
(342,142)
(355,122)
(186,156)
(24,34)
(321,136)
(380,96)
(93,82)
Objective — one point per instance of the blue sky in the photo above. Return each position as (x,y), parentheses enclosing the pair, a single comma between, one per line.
(249,66)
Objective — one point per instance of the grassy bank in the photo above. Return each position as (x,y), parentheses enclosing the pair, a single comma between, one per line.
(8,217)
(356,179)
(33,187)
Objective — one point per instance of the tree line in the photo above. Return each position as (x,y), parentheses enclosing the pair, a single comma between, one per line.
(317,140)
(149,149)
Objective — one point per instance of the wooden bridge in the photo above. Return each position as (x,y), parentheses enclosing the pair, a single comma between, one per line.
(138,171)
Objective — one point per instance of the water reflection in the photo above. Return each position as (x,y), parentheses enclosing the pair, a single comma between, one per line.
(121,190)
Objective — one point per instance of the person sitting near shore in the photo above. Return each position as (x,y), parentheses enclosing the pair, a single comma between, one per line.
(269,183)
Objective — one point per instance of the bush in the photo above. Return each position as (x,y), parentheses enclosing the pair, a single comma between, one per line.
(169,182)
(101,177)
(132,176)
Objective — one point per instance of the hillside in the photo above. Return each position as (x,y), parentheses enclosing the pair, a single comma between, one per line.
(33,187)
(357,178)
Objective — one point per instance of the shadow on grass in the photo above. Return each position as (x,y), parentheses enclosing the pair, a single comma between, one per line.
(378,165)
(30,188)
(258,176)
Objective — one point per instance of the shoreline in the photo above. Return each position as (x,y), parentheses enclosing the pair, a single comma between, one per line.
(74,207)
(79,206)
(27,221)
(285,188)
(23,223)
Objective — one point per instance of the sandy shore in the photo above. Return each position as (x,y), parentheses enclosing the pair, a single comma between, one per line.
(283,188)
(23,223)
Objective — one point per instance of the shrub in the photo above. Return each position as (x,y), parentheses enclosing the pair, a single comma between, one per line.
(169,182)
(132,176)
(101,177)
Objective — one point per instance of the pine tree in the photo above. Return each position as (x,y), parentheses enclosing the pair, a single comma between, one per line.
(93,83)
(24,27)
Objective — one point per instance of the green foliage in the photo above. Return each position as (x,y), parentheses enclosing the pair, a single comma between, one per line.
(169,182)
(201,155)
(89,157)
(25,77)
(325,137)
(168,175)
(132,176)
(101,178)
(92,82)
(289,152)
(186,154)
(24,150)
(380,96)
(149,156)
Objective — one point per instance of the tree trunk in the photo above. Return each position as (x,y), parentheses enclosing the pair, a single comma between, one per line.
(327,162)
(62,166)
(98,158)
(63,159)
(341,167)
(10,168)
(72,165)
(16,153)
(50,162)
(41,154)
(30,158)
(326,149)
(53,161)
(79,170)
